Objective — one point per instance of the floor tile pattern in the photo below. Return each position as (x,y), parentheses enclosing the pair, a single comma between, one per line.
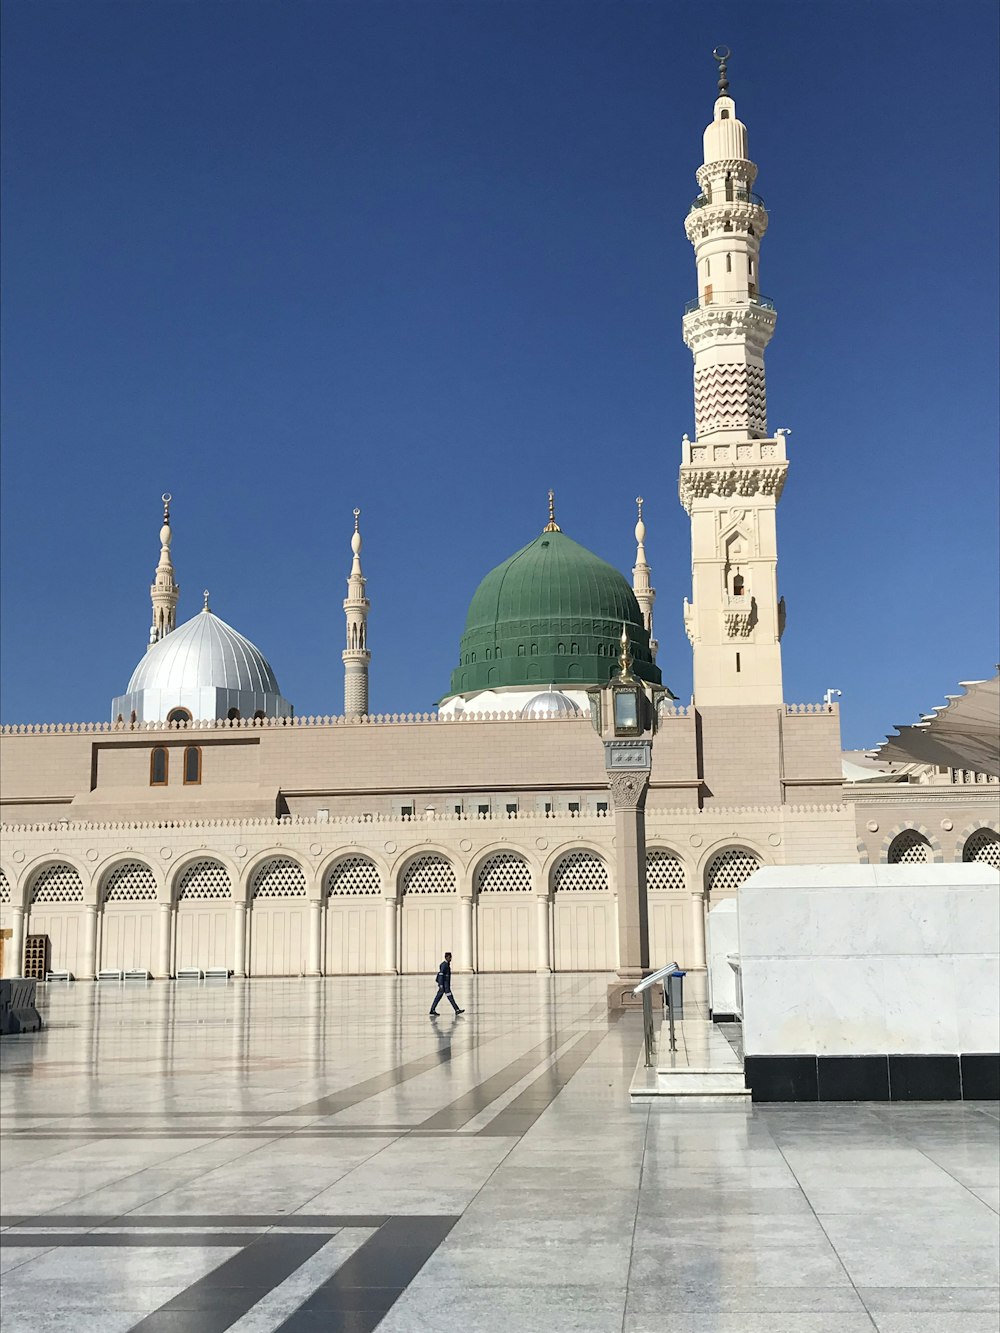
(292,1156)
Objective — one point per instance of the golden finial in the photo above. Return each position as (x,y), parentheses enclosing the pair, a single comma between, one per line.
(640,502)
(625,660)
(552,525)
(357,516)
(166,497)
(205,595)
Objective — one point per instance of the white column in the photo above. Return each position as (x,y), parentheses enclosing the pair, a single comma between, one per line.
(542,963)
(313,968)
(239,939)
(14,964)
(391,913)
(466,934)
(166,915)
(89,943)
(698,929)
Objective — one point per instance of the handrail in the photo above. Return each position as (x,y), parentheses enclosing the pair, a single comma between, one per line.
(739,197)
(729,298)
(644,989)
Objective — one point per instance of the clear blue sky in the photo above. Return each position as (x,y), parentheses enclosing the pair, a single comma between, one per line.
(429,258)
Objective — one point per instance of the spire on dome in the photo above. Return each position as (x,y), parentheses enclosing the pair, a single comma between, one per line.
(552,525)
(645,593)
(164,590)
(356,656)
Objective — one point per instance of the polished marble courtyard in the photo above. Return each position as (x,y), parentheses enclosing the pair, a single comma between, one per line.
(307,1155)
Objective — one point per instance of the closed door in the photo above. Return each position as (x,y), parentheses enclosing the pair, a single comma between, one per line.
(353,937)
(204,933)
(583,933)
(127,938)
(670,931)
(506,933)
(429,929)
(64,928)
(278,939)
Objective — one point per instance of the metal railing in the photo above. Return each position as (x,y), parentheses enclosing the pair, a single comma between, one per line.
(645,989)
(729,298)
(737,197)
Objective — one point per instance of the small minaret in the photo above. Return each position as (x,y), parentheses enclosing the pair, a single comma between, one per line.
(732,473)
(164,590)
(645,593)
(356,655)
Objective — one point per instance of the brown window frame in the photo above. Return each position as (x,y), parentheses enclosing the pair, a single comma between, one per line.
(166,766)
(191,782)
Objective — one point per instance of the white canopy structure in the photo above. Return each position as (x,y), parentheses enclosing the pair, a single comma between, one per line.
(963,733)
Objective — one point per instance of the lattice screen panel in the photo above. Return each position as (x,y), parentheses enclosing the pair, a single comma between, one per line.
(430,874)
(983,846)
(664,872)
(132,882)
(279,878)
(4,888)
(205,879)
(354,875)
(58,884)
(504,873)
(909,849)
(730,869)
(580,872)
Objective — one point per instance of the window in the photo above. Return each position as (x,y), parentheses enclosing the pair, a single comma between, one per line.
(574,807)
(179,715)
(724,115)
(750,267)
(259,715)
(561,648)
(737,662)
(737,585)
(192,765)
(520,650)
(602,807)
(729,263)
(406,811)
(233,715)
(158,767)
(708,268)
(483,809)
(574,648)
(548,807)
(511,809)
(729,187)
(534,650)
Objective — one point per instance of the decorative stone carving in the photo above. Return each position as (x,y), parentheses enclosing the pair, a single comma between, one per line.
(627,789)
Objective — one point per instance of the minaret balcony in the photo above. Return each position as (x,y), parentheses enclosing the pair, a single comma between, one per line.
(729,298)
(734,196)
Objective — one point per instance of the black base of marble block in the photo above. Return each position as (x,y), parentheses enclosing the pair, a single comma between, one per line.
(873,1078)
(852,1078)
(980,1078)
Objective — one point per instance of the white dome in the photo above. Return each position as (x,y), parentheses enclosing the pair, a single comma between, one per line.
(204,651)
(206,668)
(551,703)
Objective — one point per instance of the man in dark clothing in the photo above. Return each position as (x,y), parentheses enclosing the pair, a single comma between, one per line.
(443,980)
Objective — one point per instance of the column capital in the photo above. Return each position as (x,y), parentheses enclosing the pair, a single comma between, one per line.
(628,789)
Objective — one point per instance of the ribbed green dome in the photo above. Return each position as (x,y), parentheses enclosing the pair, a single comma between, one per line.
(551,614)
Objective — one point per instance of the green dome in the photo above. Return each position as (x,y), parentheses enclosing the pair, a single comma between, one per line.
(551,614)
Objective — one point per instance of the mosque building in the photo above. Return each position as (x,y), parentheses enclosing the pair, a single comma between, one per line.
(208,828)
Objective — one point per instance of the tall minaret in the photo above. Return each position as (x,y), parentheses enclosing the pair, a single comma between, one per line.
(645,593)
(164,590)
(732,474)
(356,655)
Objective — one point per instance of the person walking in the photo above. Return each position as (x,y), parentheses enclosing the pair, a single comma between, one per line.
(443,980)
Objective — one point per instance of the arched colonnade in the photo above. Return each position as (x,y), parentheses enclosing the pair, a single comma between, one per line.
(353,913)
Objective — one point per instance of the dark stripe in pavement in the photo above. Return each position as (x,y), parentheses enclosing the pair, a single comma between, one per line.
(524,1110)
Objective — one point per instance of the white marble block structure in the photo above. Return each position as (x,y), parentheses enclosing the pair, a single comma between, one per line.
(722,939)
(871,983)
